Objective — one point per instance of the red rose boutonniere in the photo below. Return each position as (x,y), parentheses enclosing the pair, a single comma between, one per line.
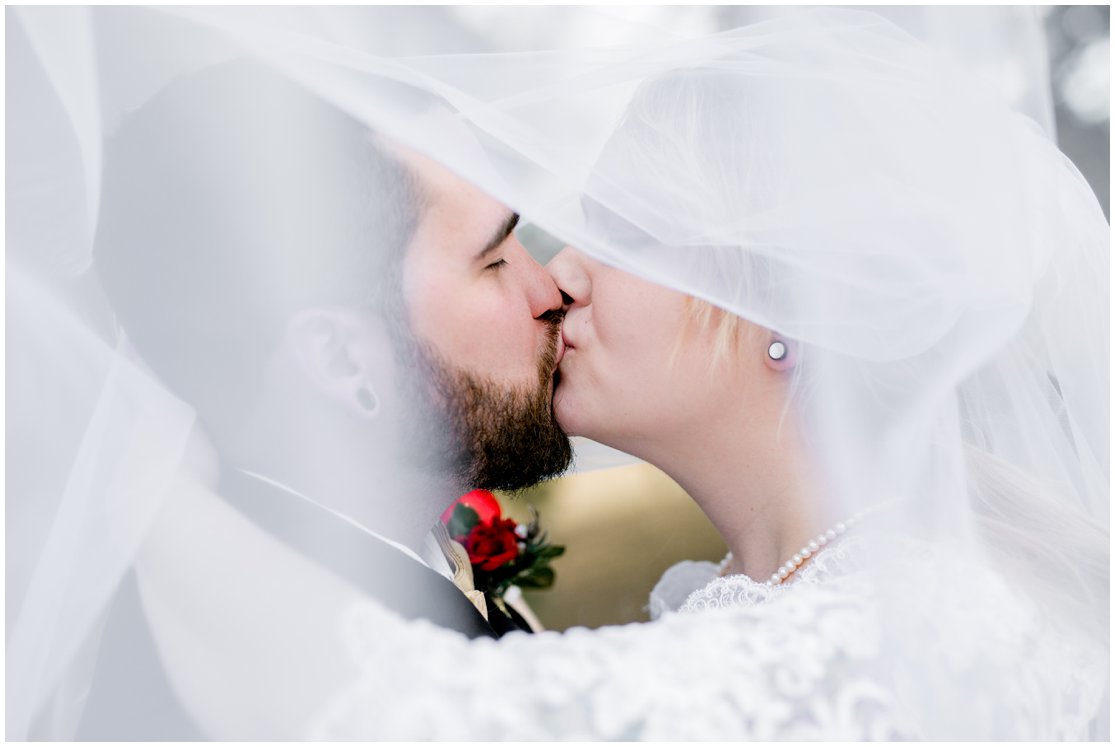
(492,545)
(503,554)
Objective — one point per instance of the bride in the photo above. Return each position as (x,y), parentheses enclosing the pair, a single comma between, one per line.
(849,301)
(849,306)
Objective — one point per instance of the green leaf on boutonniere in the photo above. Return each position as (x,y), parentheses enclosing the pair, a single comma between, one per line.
(536,578)
(462,521)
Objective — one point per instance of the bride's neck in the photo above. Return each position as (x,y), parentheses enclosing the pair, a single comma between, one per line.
(754,484)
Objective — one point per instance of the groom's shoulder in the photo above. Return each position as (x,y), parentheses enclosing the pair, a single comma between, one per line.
(356,555)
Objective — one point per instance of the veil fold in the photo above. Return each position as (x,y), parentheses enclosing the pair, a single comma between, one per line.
(823,174)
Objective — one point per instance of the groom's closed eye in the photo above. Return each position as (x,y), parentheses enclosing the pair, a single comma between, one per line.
(499,237)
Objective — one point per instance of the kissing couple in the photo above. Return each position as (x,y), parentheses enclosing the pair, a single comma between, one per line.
(840,295)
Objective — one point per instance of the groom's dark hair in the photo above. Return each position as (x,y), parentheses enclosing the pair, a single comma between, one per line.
(231,200)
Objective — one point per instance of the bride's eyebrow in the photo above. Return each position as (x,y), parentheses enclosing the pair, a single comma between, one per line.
(500,235)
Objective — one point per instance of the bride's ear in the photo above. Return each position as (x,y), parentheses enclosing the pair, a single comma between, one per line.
(344,355)
(780,354)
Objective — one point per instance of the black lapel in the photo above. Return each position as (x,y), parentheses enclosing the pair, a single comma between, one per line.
(505,622)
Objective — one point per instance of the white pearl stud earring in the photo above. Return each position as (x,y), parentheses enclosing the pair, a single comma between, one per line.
(777,350)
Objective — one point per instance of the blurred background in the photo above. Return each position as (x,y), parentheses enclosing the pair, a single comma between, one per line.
(622,527)
(1079,43)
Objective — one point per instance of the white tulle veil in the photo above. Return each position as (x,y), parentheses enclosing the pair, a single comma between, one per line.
(823,174)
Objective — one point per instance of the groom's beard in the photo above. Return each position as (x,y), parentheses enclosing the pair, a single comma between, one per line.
(480,433)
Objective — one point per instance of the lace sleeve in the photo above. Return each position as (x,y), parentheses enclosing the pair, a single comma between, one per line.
(796,668)
(677,583)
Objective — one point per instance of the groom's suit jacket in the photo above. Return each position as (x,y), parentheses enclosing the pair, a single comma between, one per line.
(131,697)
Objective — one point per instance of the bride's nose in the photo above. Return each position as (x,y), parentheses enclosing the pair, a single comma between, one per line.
(569,272)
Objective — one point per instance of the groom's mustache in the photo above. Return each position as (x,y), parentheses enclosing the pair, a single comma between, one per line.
(547,363)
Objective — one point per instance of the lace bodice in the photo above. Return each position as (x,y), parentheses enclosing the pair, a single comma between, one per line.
(691,586)
(737,660)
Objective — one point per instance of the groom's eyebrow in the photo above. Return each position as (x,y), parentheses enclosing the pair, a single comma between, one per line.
(500,235)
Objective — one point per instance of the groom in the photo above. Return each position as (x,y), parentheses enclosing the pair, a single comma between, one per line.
(359,330)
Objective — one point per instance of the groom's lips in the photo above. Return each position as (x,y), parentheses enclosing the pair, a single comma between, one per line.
(559,353)
(555,375)
(562,346)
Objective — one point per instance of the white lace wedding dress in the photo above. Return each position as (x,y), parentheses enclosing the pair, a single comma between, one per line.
(732,659)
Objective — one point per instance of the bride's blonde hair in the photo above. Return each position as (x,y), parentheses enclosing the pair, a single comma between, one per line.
(728,329)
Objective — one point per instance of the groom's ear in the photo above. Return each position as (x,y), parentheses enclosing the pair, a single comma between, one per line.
(345,354)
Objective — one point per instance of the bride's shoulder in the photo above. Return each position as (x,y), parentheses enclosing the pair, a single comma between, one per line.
(765,672)
(677,583)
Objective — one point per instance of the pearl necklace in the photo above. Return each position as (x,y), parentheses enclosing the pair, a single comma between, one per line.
(802,556)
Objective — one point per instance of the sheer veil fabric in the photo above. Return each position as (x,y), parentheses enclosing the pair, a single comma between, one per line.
(823,174)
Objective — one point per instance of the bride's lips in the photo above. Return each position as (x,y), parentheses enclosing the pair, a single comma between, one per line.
(563,347)
(566,344)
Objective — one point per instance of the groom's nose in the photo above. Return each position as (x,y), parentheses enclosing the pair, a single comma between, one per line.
(543,295)
(568,272)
